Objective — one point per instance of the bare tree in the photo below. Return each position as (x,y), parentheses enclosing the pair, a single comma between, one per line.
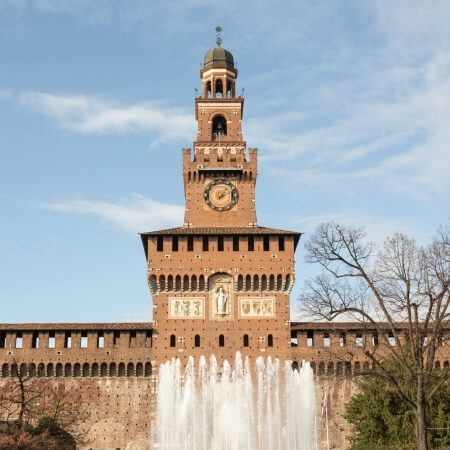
(19,395)
(26,398)
(401,290)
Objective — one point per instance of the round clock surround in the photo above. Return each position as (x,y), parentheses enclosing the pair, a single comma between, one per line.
(220,195)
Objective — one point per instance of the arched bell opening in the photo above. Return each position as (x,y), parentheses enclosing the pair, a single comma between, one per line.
(219,127)
(219,89)
(208,89)
(230,89)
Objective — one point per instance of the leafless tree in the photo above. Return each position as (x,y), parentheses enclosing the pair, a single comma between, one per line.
(25,398)
(400,290)
(19,395)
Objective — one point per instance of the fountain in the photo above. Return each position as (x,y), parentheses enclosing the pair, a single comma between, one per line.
(272,408)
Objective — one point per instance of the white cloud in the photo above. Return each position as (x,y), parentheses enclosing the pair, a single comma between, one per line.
(136,214)
(86,114)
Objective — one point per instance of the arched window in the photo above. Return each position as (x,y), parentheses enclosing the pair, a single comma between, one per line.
(365,366)
(246,340)
(104,370)
(270,340)
(23,370)
(357,367)
(279,282)
(94,370)
(68,370)
(121,369)
(295,365)
(248,282)
(330,368)
(185,283)
(139,369)
(321,368)
(194,283)
(85,370)
(14,370)
(130,370)
(41,370)
(178,283)
(339,368)
(170,283)
(219,127)
(264,282)
(162,283)
(5,370)
(173,340)
(59,370)
(240,283)
(208,89)
(112,370)
(50,370)
(32,370)
(272,283)
(197,340)
(221,340)
(288,281)
(148,369)
(256,283)
(437,365)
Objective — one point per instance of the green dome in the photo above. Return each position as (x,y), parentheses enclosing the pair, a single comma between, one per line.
(218,57)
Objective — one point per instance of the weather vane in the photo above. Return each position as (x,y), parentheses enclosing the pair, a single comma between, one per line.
(218,38)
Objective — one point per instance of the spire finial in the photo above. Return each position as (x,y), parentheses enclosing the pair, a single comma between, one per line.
(218,38)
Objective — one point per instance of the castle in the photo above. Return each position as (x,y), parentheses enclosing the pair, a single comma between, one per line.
(219,283)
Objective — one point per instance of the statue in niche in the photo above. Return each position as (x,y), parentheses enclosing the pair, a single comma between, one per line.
(221,301)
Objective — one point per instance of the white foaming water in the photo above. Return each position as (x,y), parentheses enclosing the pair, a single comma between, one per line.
(210,409)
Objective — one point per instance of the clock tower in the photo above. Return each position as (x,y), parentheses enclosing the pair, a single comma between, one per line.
(220,283)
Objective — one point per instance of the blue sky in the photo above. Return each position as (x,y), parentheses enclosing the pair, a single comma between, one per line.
(347,101)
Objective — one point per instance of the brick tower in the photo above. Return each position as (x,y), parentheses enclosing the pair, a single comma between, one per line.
(220,283)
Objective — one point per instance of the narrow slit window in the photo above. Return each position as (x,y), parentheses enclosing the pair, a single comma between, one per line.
(174,243)
(100,340)
(246,340)
(190,243)
(266,243)
(51,339)
(205,243)
(221,340)
(220,243)
(84,340)
(67,339)
(159,244)
(173,340)
(251,243)
(281,243)
(235,243)
(35,340)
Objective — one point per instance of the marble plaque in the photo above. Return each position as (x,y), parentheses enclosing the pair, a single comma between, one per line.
(256,307)
(186,307)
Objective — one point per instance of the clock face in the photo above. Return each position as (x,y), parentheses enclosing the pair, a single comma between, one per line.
(220,195)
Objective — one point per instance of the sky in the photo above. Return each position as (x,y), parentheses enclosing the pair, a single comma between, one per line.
(347,101)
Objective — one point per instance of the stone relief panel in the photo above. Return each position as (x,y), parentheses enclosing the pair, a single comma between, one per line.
(256,307)
(221,297)
(186,307)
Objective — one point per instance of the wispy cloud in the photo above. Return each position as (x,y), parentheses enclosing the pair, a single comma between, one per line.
(84,114)
(135,214)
